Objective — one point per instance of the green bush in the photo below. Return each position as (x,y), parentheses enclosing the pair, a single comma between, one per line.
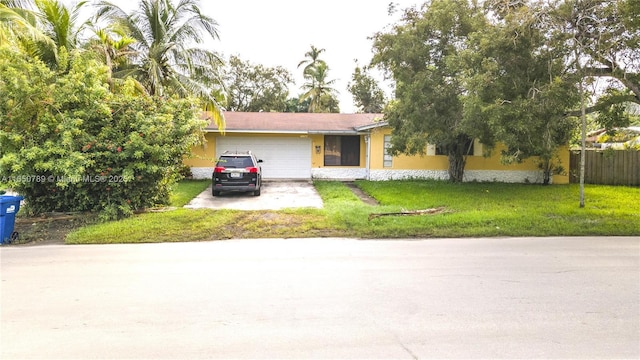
(70,144)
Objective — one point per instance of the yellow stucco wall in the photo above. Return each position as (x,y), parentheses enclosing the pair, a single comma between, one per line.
(317,157)
(402,162)
(440,162)
(204,156)
(565,157)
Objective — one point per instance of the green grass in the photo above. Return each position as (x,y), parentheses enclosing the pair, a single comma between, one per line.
(169,226)
(470,210)
(492,209)
(186,190)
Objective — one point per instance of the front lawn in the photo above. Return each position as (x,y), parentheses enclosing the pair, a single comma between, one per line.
(468,210)
(186,190)
(494,209)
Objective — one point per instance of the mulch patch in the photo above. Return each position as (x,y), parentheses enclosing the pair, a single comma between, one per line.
(50,229)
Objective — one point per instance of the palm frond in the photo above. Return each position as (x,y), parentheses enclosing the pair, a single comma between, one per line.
(21,23)
(109,11)
(166,65)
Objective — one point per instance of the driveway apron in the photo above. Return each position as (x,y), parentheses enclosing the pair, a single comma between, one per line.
(275,195)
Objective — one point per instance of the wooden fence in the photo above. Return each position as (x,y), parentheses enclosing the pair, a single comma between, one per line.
(607,167)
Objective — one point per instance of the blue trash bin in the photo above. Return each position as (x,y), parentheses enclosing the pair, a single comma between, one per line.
(9,207)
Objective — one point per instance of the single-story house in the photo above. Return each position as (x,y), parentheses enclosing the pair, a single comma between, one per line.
(342,147)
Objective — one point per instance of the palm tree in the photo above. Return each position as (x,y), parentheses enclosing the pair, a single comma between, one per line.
(318,89)
(63,25)
(24,25)
(313,60)
(113,46)
(15,25)
(164,63)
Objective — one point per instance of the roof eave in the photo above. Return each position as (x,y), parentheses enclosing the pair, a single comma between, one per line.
(334,132)
(247,131)
(378,124)
(289,132)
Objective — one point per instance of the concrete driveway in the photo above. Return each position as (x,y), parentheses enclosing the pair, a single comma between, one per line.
(275,195)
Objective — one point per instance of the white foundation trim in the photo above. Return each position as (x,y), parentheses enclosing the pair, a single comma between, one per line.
(381,175)
(338,173)
(201,172)
(507,176)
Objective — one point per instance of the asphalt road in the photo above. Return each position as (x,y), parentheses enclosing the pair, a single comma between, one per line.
(324,298)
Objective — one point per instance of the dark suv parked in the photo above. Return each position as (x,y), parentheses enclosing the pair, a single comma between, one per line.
(237,171)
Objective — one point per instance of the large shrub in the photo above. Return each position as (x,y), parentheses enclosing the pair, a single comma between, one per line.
(69,144)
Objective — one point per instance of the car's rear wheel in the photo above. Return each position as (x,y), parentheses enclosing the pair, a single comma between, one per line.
(215,193)
(256,192)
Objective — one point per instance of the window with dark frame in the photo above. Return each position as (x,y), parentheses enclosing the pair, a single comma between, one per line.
(341,150)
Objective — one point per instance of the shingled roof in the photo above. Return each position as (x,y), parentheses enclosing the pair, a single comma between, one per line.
(272,122)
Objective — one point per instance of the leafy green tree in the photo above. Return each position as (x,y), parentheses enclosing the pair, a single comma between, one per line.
(329,103)
(593,39)
(69,144)
(319,91)
(518,85)
(256,88)
(422,54)
(367,94)
(601,39)
(166,63)
(296,106)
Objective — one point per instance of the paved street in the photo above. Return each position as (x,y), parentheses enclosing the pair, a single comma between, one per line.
(324,298)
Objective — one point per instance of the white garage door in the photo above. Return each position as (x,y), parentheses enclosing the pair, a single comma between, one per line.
(283,157)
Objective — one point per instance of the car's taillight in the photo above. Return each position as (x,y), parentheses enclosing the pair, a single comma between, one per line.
(252,170)
(218,169)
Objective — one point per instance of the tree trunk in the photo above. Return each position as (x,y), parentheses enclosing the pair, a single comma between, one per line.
(546,173)
(456,152)
(456,166)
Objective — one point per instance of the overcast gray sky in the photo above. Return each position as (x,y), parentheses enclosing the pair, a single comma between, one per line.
(279,32)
